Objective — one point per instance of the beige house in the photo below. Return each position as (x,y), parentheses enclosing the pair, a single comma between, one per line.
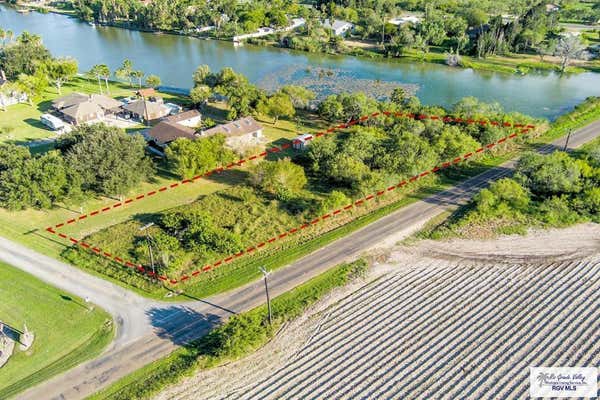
(239,133)
(80,113)
(77,108)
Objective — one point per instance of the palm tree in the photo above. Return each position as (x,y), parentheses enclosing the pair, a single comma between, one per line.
(125,71)
(95,72)
(2,36)
(101,71)
(9,35)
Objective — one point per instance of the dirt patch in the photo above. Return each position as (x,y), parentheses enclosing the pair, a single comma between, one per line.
(538,246)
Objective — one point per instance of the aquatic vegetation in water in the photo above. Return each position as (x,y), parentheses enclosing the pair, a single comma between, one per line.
(326,81)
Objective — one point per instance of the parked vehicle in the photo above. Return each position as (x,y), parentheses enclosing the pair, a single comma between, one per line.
(52,122)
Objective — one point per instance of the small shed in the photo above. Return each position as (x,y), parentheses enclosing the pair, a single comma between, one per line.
(301,142)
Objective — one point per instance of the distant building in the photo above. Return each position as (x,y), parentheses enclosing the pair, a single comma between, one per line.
(408,19)
(552,8)
(239,133)
(339,27)
(9,97)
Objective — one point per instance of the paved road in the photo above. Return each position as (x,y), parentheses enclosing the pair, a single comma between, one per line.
(149,329)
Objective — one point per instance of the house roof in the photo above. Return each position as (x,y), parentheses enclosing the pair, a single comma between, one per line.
(153,108)
(69,100)
(79,110)
(107,103)
(239,127)
(183,116)
(337,24)
(166,131)
(149,92)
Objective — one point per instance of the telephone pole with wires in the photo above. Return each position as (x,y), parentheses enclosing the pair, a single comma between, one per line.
(265,275)
(149,242)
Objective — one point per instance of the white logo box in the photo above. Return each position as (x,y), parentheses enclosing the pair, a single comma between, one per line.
(563,382)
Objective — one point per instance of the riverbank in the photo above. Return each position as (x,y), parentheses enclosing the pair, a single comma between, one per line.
(511,64)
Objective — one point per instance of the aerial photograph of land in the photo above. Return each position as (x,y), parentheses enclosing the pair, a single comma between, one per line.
(300,199)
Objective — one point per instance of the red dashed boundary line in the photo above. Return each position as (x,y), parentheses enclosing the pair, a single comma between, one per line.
(523,129)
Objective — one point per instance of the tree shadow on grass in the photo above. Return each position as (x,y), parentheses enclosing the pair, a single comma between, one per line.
(230,177)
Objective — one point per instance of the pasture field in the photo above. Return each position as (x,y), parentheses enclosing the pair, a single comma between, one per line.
(66,331)
(444,330)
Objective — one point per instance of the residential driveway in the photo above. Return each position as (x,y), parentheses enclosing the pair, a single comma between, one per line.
(149,330)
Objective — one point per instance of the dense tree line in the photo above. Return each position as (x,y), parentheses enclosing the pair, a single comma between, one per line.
(559,189)
(92,160)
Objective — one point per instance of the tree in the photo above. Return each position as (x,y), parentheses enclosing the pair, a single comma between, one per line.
(280,178)
(568,48)
(331,109)
(24,56)
(203,76)
(502,197)
(60,71)
(399,96)
(37,182)
(406,154)
(153,81)
(552,174)
(200,94)
(124,72)
(139,75)
(300,96)
(32,85)
(242,96)
(546,48)
(109,161)
(188,158)
(278,105)
(452,143)
(101,71)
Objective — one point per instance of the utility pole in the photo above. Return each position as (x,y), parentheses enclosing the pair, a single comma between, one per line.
(265,275)
(568,137)
(145,229)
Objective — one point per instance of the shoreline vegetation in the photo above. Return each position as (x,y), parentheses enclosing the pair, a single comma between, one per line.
(513,63)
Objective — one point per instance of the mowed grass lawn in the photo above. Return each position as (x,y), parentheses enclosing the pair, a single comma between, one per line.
(66,331)
(20,123)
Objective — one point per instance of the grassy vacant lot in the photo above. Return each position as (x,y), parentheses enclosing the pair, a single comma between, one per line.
(21,123)
(284,251)
(66,332)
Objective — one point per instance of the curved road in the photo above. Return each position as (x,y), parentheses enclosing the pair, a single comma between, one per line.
(149,330)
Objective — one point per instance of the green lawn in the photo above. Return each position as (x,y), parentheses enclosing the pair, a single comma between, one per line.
(66,332)
(21,123)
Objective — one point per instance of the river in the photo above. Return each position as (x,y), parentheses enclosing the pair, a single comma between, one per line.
(174,58)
